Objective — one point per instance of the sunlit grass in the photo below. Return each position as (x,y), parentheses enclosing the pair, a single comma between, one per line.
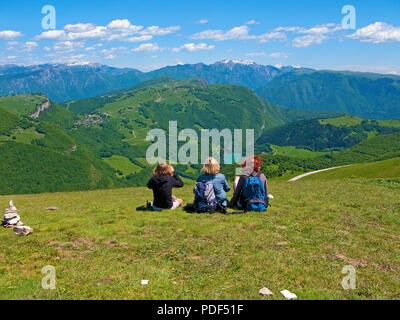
(102,247)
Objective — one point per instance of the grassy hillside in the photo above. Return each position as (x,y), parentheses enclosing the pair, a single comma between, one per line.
(25,104)
(326,134)
(367,95)
(107,133)
(352,121)
(381,169)
(193,103)
(295,152)
(102,247)
(297,161)
(40,155)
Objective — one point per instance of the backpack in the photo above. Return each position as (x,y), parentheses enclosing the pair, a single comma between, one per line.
(253,195)
(204,198)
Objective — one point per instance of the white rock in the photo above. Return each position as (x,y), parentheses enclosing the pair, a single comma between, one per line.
(23,230)
(270,196)
(288,295)
(144,282)
(265,292)
(12,207)
(9,216)
(14,221)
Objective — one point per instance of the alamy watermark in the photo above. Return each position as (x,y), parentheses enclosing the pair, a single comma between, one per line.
(188,153)
(49,280)
(49,20)
(349,21)
(349,281)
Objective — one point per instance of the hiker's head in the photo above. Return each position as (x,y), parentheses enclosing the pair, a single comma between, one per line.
(211,166)
(163,169)
(252,162)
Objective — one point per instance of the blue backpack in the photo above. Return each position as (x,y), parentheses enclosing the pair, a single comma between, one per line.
(204,198)
(254,195)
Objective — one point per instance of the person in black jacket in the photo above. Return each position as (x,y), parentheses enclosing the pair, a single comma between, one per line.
(163,180)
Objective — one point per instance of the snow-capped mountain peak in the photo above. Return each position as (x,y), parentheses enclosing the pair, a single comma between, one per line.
(237,61)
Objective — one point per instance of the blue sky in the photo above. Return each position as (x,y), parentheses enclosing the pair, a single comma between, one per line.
(149,34)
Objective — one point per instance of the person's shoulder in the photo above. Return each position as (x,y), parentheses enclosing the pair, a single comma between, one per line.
(202,177)
(220,176)
(263,177)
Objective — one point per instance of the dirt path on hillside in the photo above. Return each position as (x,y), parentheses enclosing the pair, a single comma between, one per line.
(314,172)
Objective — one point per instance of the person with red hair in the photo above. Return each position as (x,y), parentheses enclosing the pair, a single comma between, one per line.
(251,167)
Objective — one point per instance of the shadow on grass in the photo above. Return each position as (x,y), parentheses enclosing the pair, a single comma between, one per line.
(190,209)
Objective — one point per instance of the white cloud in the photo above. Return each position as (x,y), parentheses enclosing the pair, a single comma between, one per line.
(378,32)
(52,35)
(308,40)
(68,46)
(313,35)
(139,39)
(79,27)
(238,33)
(120,29)
(9,34)
(111,51)
(29,46)
(252,22)
(272,36)
(147,47)
(94,33)
(317,29)
(22,47)
(271,55)
(255,54)
(157,31)
(278,55)
(202,21)
(191,47)
(123,25)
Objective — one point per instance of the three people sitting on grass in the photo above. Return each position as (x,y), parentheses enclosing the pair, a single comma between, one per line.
(250,189)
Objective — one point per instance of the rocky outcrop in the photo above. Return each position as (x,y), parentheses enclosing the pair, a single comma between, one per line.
(40,108)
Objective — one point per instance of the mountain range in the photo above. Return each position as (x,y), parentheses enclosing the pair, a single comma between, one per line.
(372,96)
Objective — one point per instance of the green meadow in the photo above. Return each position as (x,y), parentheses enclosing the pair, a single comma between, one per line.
(102,246)
(381,169)
(292,151)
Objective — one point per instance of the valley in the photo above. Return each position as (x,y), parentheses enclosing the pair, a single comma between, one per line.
(104,138)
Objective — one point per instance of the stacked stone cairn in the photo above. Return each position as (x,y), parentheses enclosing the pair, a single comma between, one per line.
(11,219)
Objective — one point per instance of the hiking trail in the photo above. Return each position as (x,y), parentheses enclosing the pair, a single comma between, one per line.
(314,172)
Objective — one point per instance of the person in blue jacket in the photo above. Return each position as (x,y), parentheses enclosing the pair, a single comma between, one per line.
(211,174)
